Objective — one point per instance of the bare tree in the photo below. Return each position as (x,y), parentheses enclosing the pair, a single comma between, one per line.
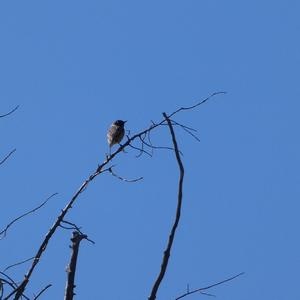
(142,143)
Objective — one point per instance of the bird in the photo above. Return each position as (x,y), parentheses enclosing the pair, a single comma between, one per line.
(115,133)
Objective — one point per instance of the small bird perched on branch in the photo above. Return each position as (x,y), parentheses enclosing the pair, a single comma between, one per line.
(115,133)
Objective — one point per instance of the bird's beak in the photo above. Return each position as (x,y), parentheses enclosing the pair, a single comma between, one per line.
(125,121)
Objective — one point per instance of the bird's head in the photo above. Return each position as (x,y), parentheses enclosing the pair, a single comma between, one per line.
(119,123)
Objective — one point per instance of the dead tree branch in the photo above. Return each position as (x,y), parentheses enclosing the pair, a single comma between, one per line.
(100,169)
(18,263)
(187,129)
(197,104)
(201,290)
(73,226)
(13,283)
(2,283)
(167,252)
(10,112)
(7,156)
(10,282)
(122,178)
(42,291)
(71,270)
(4,231)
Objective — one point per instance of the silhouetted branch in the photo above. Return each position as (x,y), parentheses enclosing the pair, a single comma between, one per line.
(4,231)
(2,283)
(42,291)
(197,104)
(71,270)
(167,252)
(10,282)
(141,150)
(122,178)
(10,112)
(160,147)
(200,290)
(187,129)
(73,226)
(7,156)
(100,169)
(18,263)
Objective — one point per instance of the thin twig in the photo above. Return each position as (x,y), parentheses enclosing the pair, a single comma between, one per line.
(187,129)
(73,226)
(122,178)
(167,252)
(150,142)
(141,151)
(2,282)
(197,104)
(9,281)
(9,278)
(42,291)
(10,112)
(18,263)
(191,134)
(181,125)
(4,231)
(160,147)
(7,156)
(200,290)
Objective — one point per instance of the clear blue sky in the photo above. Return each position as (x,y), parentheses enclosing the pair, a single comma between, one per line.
(75,66)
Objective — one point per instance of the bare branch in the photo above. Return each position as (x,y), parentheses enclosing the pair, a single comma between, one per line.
(187,129)
(201,290)
(150,142)
(18,263)
(19,291)
(10,112)
(2,282)
(4,231)
(13,283)
(9,281)
(197,104)
(7,156)
(167,252)
(160,147)
(71,270)
(42,291)
(181,125)
(73,226)
(122,178)
(192,134)
(141,150)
